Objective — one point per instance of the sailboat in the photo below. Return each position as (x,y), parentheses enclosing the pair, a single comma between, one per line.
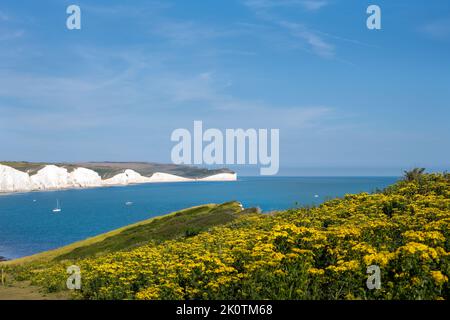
(58,207)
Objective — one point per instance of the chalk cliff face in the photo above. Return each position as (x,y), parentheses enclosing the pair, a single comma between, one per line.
(221,177)
(84,178)
(128,177)
(165,177)
(12,180)
(52,177)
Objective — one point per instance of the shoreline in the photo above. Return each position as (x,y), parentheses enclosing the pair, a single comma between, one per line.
(9,193)
(53,178)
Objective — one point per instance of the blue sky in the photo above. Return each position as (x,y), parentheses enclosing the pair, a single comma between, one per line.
(346,99)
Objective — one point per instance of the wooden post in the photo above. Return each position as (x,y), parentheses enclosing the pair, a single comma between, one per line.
(3,278)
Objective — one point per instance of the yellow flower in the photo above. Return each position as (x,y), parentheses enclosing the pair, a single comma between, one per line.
(438,277)
(416,281)
(148,294)
(315,271)
(343,266)
(381,258)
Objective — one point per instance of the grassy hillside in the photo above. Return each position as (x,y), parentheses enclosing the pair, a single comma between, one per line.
(109,169)
(183,223)
(307,253)
(24,166)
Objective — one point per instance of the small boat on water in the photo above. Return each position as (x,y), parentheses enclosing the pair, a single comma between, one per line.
(128,203)
(58,207)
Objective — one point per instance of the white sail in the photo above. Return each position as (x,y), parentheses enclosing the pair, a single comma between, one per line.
(58,207)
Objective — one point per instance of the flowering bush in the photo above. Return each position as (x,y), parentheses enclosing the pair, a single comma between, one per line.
(315,253)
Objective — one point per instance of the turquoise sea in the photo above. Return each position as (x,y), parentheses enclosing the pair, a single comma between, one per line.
(28,225)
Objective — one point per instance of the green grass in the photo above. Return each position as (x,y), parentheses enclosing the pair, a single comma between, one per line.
(184,223)
(28,167)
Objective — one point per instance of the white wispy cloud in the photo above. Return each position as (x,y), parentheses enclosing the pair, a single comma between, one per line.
(314,41)
(10,34)
(3,16)
(317,43)
(306,4)
(133,96)
(150,8)
(154,19)
(439,29)
(184,32)
(314,4)
(8,30)
(117,95)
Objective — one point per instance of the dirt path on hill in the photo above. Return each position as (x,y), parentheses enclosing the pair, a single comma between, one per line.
(24,291)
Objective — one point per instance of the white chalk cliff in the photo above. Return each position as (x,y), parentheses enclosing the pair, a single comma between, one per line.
(221,177)
(82,177)
(129,176)
(52,177)
(166,177)
(12,180)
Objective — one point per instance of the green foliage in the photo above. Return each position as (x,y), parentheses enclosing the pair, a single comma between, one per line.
(184,223)
(304,253)
(415,174)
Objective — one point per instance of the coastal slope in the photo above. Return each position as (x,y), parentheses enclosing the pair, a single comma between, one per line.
(309,253)
(183,223)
